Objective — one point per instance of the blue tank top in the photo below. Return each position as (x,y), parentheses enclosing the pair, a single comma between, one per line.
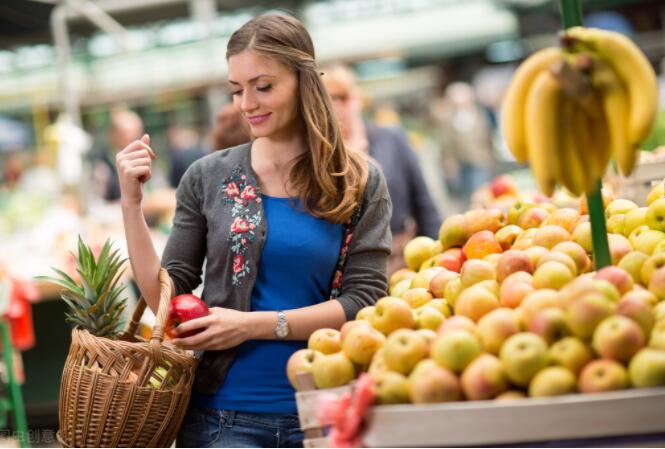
(296,268)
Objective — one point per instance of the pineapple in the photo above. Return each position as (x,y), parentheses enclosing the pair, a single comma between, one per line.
(95,304)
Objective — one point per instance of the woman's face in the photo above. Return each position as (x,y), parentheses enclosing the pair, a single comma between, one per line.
(265,92)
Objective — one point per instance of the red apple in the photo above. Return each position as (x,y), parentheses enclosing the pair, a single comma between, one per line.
(184,308)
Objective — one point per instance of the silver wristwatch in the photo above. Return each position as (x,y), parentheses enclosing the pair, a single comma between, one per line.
(282,329)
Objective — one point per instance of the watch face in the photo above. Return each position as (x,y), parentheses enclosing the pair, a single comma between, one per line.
(282,331)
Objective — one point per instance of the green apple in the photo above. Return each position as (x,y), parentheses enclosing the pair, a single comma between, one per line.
(398,289)
(495,328)
(563,258)
(582,236)
(326,341)
(391,388)
(428,317)
(647,368)
(648,240)
(616,224)
(454,350)
(425,276)
(657,283)
(634,306)
(657,339)
(474,271)
(523,356)
(476,301)
(655,217)
(632,237)
(417,297)
(511,395)
(365,313)
(653,263)
(507,235)
(430,383)
(403,349)
(586,312)
(550,324)
(417,251)
(632,263)
(570,352)
(619,206)
(565,217)
(391,314)
(517,209)
(657,192)
(549,236)
(452,290)
(576,253)
(300,362)
(618,338)
(361,343)
(332,370)
(401,275)
(553,381)
(484,378)
(542,299)
(603,375)
(619,247)
(453,231)
(552,275)
(619,277)
(634,219)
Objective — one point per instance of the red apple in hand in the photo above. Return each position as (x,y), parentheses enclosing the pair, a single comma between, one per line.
(184,308)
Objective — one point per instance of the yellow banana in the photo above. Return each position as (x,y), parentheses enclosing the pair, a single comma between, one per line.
(542,136)
(513,117)
(615,106)
(599,149)
(573,145)
(634,70)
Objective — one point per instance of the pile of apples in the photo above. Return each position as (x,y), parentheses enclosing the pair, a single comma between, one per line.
(505,304)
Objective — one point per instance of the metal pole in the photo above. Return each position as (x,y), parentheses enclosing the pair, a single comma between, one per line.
(68,92)
(571,15)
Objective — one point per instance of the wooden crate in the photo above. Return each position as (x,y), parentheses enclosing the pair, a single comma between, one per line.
(628,413)
(307,402)
(633,417)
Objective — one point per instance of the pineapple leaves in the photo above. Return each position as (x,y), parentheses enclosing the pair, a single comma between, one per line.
(95,302)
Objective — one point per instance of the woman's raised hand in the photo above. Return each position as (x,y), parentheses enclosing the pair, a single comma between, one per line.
(134,165)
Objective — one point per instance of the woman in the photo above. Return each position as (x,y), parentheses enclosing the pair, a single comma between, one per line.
(414,212)
(269,218)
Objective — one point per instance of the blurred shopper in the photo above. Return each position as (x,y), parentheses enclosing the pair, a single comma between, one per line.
(270,219)
(467,139)
(230,129)
(184,148)
(126,126)
(414,211)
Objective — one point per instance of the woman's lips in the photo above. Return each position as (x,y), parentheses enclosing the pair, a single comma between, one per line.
(258,119)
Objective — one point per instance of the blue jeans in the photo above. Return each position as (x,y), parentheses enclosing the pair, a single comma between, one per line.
(207,427)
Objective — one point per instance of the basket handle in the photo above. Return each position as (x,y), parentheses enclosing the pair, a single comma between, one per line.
(165,290)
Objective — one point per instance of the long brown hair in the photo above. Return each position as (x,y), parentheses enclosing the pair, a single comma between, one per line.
(329,178)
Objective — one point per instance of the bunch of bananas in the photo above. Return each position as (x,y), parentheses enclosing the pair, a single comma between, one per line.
(568,110)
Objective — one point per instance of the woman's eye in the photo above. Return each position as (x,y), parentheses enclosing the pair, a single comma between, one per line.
(237,92)
(265,88)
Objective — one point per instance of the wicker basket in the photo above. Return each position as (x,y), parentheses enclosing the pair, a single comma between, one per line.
(111,395)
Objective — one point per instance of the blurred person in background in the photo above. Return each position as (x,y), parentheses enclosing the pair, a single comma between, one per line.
(467,139)
(414,211)
(230,129)
(184,148)
(271,220)
(125,127)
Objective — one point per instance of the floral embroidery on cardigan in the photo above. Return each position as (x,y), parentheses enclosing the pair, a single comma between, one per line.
(239,193)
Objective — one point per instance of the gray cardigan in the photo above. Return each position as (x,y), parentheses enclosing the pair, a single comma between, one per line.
(219,218)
